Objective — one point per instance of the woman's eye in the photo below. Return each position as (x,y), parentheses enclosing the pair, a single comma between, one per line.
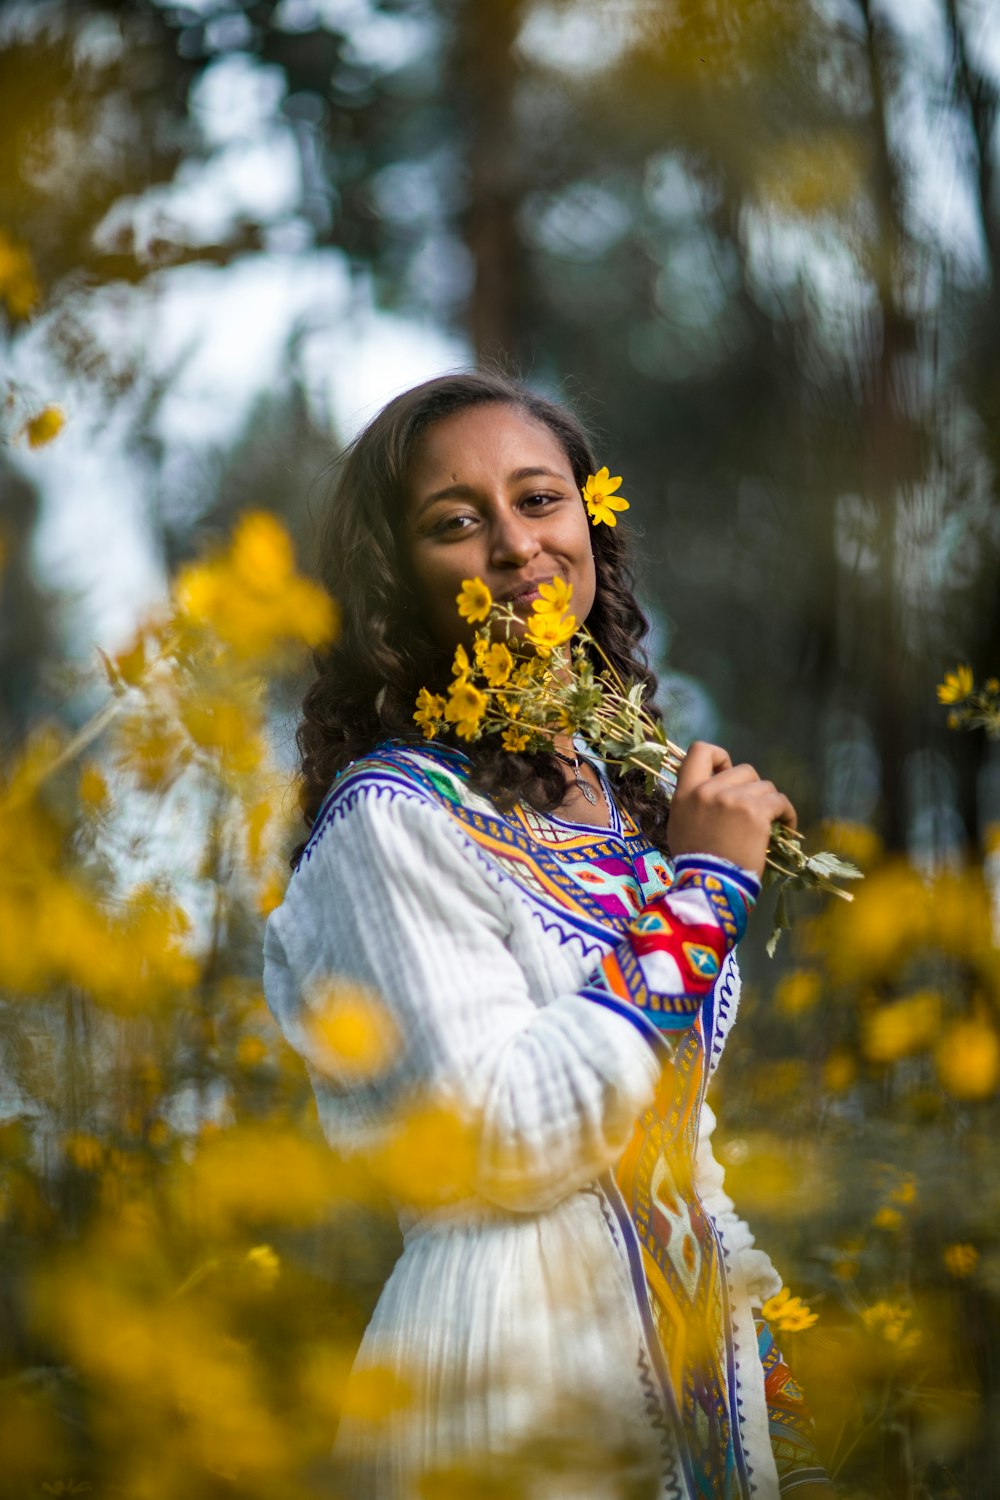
(453,524)
(536,501)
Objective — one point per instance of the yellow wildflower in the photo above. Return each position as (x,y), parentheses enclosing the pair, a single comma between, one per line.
(92,787)
(475,600)
(854,841)
(251,598)
(798,992)
(432,1155)
(84,1151)
(353,1028)
(992,684)
(465,708)
(44,426)
(788,1314)
(515,739)
(956,686)
(555,597)
(889,1219)
(18,283)
(887,1321)
(545,632)
(902,1028)
(461,666)
(225,726)
(260,1172)
(374,1393)
(905,1190)
(497,664)
(270,894)
(264,1264)
(839,1072)
(968,1059)
(250,1051)
(430,709)
(600,498)
(960,1260)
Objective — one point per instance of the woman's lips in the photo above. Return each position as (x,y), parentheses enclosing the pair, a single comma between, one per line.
(527,595)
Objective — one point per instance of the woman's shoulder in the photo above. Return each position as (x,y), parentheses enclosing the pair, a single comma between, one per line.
(394,769)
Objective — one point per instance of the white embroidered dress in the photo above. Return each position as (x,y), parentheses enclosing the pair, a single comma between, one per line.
(521,1312)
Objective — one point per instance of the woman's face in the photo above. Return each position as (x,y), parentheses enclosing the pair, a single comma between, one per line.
(492,496)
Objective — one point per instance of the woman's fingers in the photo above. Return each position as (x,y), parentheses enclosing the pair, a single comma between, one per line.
(701,763)
(719,808)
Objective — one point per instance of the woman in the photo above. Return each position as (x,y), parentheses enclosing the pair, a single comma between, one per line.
(578,1316)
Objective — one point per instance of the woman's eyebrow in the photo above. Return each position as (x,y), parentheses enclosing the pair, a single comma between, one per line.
(467,491)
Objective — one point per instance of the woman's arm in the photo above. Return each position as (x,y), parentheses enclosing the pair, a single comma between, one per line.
(392,898)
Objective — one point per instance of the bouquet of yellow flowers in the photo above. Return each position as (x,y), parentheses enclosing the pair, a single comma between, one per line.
(550,681)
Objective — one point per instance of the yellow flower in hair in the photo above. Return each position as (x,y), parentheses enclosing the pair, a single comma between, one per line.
(430,709)
(545,632)
(465,708)
(515,739)
(475,600)
(600,498)
(497,664)
(956,686)
(555,597)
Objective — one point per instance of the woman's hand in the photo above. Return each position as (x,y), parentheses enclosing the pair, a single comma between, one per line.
(719,808)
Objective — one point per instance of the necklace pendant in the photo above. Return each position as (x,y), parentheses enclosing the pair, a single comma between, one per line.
(586,789)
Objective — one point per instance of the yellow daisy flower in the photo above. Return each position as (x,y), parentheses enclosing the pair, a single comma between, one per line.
(475,600)
(515,739)
(465,708)
(544,632)
(788,1314)
(461,666)
(956,686)
(497,664)
(430,708)
(600,498)
(555,597)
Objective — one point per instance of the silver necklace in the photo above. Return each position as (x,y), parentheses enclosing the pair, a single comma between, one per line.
(585,786)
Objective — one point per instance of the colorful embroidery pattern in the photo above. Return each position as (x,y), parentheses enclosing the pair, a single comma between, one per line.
(677,944)
(789,1419)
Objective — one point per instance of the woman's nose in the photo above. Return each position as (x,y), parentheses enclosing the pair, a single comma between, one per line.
(513,542)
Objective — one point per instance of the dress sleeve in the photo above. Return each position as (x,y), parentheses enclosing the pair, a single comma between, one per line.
(391,898)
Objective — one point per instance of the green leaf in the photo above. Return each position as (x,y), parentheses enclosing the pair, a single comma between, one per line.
(829,866)
(782,921)
(648,755)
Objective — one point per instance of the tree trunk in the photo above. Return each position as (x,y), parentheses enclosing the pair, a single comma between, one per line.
(486,76)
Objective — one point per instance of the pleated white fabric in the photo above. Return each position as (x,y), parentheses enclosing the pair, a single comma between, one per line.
(511,1314)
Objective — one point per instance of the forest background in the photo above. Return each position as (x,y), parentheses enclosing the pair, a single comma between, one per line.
(756,244)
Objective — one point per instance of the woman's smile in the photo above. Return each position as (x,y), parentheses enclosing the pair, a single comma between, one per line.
(492,495)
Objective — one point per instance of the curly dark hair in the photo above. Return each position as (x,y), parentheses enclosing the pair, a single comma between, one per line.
(368,679)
